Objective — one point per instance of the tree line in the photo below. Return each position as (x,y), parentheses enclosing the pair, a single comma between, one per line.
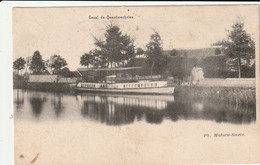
(118,50)
(36,65)
(238,59)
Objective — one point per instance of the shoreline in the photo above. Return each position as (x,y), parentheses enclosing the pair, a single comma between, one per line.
(237,95)
(46,86)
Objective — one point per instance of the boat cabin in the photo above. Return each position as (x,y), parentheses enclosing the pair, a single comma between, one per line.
(125,85)
(114,75)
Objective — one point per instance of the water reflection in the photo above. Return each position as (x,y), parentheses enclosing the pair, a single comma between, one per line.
(205,110)
(19,99)
(126,109)
(154,116)
(103,110)
(57,104)
(37,102)
(117,110)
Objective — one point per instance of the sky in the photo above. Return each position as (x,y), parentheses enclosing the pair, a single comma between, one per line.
(69,31)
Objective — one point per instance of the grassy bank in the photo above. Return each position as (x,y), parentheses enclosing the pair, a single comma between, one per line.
(240,95)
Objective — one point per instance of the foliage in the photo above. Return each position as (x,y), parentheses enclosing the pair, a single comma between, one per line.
(91,58)
(154,53)
(139,62)
(37,65)
(215,67)
(86,59)
(115,50)
(181,67)
(174,52)
(19,64)
(56,62)
(19,81)
(248,71)
(65,72)
(217,51)
(140,51)
(239,46)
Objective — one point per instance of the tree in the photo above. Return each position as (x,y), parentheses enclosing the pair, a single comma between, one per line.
(174,52)
(37,64)
(56,62)
(19,64)
(87,59)
(139,51)
(239,46)
(215,67)
(117,49)
(217,51)
(154,53)
(180,67)
(65,72)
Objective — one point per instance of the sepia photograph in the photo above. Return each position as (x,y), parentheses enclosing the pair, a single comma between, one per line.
(135,85)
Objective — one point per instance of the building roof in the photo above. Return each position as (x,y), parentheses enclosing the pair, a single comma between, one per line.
(196,53)
(76,73)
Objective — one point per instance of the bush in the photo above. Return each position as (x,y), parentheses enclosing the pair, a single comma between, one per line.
(19,81)
(217,51)
(174,52)
(180,66)
(215,67)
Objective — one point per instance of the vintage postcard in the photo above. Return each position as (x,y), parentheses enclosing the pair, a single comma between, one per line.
(136,85)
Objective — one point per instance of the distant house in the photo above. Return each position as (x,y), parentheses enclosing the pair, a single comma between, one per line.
(43,78)
(199,53)
(53,79)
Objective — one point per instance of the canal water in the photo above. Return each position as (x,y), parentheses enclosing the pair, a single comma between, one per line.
(111,129)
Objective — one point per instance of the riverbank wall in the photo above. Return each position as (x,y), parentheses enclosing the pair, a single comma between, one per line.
(238,95)
(46,86)
(51,83)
